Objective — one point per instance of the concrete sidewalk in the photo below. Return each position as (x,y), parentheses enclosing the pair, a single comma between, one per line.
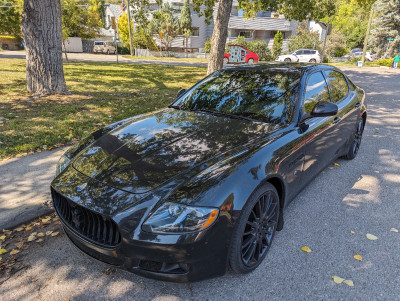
(25,187)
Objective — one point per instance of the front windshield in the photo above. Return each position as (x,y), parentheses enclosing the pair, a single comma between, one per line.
(260,94)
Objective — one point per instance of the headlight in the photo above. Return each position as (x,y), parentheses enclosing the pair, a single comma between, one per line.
(62,163)
(176,218)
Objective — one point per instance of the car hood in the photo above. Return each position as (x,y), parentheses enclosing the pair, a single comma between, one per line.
(146,152)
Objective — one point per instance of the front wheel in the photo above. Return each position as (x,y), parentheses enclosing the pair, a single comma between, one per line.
(108,52)
(355,145)
(313,61)
(250,61)
(287,60)
(226,60)
(255,230)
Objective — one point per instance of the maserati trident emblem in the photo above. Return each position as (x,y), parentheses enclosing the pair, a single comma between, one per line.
(81,187)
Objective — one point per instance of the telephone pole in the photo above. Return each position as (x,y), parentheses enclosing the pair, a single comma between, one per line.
(129,26)
(367,33)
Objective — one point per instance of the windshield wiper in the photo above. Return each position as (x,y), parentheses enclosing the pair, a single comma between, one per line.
(174,107)
(224,114)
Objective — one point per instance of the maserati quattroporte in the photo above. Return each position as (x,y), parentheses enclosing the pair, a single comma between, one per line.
(186,192)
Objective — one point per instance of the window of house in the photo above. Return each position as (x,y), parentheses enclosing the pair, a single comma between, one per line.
(240,12)
(195,31)
(246,34)
(338,84)
(316,91)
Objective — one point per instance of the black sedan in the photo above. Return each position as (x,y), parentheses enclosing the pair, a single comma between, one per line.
(183,193)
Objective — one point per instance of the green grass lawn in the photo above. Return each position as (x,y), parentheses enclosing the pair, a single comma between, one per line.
(166,59)
(101,93)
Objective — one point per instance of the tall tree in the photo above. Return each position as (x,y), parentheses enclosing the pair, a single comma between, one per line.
(278,44)
(386,25)
(166,23)
(41,28)
(186,23)
(10,17)
(304,38)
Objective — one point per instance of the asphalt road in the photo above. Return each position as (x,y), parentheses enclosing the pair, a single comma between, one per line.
(362,195)
(104,58)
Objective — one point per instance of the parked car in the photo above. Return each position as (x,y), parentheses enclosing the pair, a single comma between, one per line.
(182,193)
(104,47)
(301,55)
(242,55)
(368,55)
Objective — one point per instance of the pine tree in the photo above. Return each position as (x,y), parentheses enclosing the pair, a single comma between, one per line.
(277,46)
(386,25)
(186,23)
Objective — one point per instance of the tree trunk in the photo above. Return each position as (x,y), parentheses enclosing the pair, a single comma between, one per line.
(219,36)
(41,28)
(187,40)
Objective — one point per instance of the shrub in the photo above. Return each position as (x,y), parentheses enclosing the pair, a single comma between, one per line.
(277,46)
(207,45)
(261,48)
(339,52)
(385,62)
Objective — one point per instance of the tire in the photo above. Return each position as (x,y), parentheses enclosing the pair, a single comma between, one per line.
(250,61)
(108,51)
(313,61)
(356,142)
(287,60)
(252,237)
(226,60)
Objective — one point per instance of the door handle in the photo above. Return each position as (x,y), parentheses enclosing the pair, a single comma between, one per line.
(336,120)
(357,104)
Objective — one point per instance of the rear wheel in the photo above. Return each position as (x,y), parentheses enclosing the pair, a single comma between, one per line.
(313,61)
(355,145)
(255,230)
(287,60)
(226,60)
(250,61)
(108,51)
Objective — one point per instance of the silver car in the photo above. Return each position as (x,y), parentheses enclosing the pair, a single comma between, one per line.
(104,47)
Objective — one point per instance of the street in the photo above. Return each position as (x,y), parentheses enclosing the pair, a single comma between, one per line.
(362,195)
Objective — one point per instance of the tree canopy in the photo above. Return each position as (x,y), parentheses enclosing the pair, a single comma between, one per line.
(166,23)
(10,17)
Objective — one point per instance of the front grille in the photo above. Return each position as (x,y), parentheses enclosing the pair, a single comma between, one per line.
(92,226)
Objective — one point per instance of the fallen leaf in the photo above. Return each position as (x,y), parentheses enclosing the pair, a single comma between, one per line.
(45,220)
(40,240)
(55,219)
(28,228)
(2,251)
(305,249)
(358,257)
(33,233)
(49,232)
(14,251)
(352,232)
(337,279)
(19,229)
(55,234)
(3,237)
(19,245)
(336,164)
(40,234)
(31,238)
(371,237)
(391,229)
(349,282)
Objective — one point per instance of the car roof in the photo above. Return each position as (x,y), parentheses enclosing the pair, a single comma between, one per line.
(303,67)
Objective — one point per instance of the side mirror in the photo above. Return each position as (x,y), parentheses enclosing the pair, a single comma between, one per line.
(180,92)
(324,108)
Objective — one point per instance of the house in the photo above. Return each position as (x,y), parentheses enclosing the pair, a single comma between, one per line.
(264,26)
(112,12)
(319,27)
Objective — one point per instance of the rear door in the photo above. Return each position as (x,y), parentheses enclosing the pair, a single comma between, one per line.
(300,55)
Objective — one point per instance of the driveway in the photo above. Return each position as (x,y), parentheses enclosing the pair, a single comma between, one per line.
(104,58)
(360,196)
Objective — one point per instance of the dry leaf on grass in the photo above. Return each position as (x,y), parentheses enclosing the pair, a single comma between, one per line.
(358,257)
(391,229)
(371,237)
(55,234)
(14,251)
(349,282)
(337,279)
(305,249)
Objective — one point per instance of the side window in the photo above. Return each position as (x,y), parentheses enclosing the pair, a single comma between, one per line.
(299,52)
(307,51)
(316,91)
(338,84)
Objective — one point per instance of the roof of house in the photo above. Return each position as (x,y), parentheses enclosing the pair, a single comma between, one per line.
(115,9)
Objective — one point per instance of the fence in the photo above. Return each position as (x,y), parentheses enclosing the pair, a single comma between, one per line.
(147,52)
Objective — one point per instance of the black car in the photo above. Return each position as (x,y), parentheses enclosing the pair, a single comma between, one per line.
(183,193)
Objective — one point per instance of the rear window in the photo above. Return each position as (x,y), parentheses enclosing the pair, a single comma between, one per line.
(313,51)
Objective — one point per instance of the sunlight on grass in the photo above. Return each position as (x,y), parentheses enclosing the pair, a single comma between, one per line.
(101,93)
(167,59)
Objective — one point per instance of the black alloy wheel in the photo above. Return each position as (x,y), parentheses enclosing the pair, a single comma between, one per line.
(355,145)
(287,60)
(256,228)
